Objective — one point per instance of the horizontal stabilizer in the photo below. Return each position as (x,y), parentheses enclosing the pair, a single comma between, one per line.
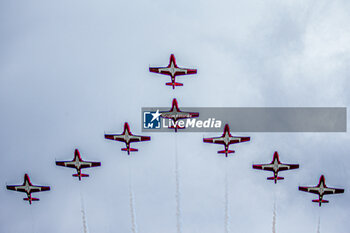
(320,201)
(226,151)
(130,149)
(32,199)
(81,175)
(277,178)
(174,84)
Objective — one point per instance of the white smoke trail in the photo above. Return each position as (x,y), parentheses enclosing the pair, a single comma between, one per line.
(132,212)
(177,193)
(274,217)
(32,219)
(227,230)
(132,202)
(85,227)
(319,225)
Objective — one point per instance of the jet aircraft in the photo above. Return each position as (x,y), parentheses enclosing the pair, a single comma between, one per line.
(128,138)
(28,188)
(321,189)
(176,114)
(226,139)
(78,163)
(275,166)
(172,70)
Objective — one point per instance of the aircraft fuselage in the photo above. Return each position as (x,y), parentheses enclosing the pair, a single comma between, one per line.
(172,70)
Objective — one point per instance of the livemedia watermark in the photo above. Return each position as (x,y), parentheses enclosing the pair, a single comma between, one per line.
(245,119)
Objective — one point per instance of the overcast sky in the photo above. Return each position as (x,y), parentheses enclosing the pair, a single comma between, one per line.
(70,70)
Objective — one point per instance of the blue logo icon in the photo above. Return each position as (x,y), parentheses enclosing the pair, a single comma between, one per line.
(151,120)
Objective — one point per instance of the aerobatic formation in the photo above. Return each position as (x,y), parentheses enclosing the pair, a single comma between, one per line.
(174,115)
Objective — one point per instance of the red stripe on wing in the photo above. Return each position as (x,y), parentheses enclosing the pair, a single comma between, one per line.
(258,166)
(208,140)
(145,138)
(91,164)
(154,69)
(191,71)
(111,137)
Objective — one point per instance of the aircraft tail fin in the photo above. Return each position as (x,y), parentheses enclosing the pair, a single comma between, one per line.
(174,84)
(320,201)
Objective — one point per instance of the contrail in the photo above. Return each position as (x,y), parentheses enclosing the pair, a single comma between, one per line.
(132,212)
(319,225)
(32,220)
(274,217)
(85,228)
(177,193)
(227,230)
(132,203)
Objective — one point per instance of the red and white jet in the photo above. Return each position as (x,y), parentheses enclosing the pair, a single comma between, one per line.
(321,189)
(275,166)
(128,138)
(176,114)
(28,188)
(172,70)
(226,139)
(78,164)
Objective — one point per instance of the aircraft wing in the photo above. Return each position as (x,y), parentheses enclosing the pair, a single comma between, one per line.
(166,114)
(138,138)
(190,114)
(86,164)
(116,137)
(18,188)
(165,70)
(333,191)
(325,190)
(267,167)
(158,70)
(309,189)
(33,188)
(83,164)
(217,140)
(220,140)
(283,166)
(184,71)
(65,164)
(179,115)
(235,140)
